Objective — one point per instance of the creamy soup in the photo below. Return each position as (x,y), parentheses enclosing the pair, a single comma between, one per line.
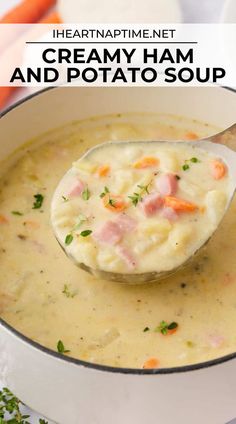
(185,319)
(136,208)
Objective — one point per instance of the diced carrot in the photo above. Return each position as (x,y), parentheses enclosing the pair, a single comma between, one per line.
(172,331)
(34,225)
(191,136)
(114,203)
(27,12)
(146,162)
(5,95)
(103,171)
(51,18)
(151,363)
(3,220)
(218,169)
(179,205)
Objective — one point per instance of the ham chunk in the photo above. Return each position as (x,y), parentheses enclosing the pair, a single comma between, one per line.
(77,189)
(151,204)
(109,233)
(167,184)
(126,223)
(127,257)
(170,214)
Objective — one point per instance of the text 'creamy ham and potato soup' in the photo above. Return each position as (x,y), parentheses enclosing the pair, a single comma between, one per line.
(139,207)
(184,319)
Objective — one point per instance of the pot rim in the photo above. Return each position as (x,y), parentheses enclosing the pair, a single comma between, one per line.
(90,365)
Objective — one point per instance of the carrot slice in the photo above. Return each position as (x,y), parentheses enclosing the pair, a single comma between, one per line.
(146,162)
(191,136)
(172,331)
(218,169)
(3,220)
(27,12)
(51,18)
(114,203)
(179,205)
(103,171)
(151,363)
(5,94)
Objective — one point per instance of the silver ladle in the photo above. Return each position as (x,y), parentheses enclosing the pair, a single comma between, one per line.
(221,145)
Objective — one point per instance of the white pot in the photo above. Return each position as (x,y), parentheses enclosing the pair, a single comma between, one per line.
(75,392)
(229,12)
(120,11)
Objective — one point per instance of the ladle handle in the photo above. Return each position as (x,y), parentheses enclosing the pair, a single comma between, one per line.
(226,137)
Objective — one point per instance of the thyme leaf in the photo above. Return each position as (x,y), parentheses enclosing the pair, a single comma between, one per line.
(39,198)
(61,347)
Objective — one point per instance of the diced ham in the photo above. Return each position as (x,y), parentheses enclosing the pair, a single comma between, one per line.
(126,223)
(167,184)
(151,204)
(113,231)
(169,214)
(127,256)
(109,233)
(77,189)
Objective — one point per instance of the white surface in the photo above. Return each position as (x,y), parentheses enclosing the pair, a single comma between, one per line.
(191,10)
(6,5)
(117,11)
(229,11)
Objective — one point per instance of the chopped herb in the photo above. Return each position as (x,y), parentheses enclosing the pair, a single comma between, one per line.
(164,327)
(195,160)
(111,202)
(81,220)
(10,412)
(189,343)
(65,198)
(146,329)
(17,213)
(185,167)
(21,237)
(61,347)
(172,326)
(144,188)
(137,197)
(68,239)
(38,201)
(86,194)
(66,291)
(86,233)
(105,191)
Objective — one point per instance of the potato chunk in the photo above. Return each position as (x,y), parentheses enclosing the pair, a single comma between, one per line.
(216,203)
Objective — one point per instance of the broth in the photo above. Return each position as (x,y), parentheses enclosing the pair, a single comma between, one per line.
(47,298)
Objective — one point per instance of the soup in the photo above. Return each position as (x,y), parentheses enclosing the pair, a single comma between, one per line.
(185,319)
(133,208)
